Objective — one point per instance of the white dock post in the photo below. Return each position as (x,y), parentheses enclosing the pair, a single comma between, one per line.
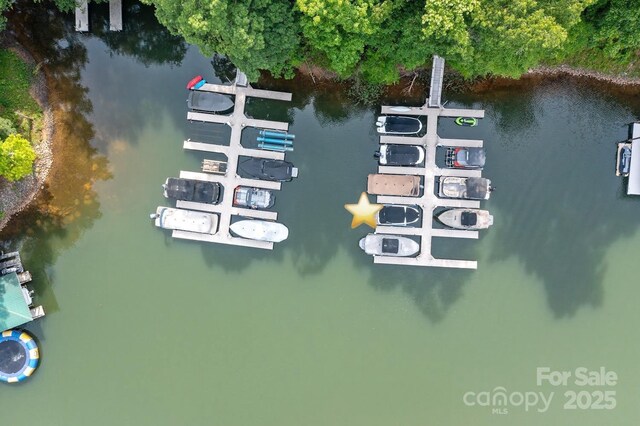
(82,16)
(115,15)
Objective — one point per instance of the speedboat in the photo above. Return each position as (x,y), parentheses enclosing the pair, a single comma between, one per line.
(185,220)
(388,245)
(199,100)
(274,170)
(471,219)
(192,190)
(400,155)
(466,121)
(398,125)
(260,230)
(467,188)
(465,158)
(255,198)
(398,215)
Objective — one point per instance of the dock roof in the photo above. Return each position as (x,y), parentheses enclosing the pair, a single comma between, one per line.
(14,310)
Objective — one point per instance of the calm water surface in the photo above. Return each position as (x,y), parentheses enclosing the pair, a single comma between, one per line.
(143,329)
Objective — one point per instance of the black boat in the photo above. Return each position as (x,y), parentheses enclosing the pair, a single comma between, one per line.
(274,170)
(208,101)
(397,125)
(400,155)
(193,190)
(398,215)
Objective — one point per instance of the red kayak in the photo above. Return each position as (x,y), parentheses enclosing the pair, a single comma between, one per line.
(194,81)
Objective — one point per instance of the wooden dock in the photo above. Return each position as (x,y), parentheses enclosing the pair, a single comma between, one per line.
(82,15)
(237,121)
(429,201)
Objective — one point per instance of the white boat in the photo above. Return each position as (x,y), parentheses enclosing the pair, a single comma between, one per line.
(471,219)
(185,220)
(389,245)
(260,230)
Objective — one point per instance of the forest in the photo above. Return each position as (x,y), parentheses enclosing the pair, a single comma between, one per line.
(377,40)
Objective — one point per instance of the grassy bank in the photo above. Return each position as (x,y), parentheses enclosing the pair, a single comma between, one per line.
(16,104)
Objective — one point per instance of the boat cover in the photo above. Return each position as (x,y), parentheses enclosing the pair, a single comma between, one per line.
(395,124)
(260,168)
(192,190)
(472,157)
(633,188)
(208,101)
(477,188)
(407,185)
(398,214)
(390,246)
(403,154)
(468,219)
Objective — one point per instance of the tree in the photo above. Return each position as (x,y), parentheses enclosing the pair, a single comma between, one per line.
(6,128)
(254,34)
(16,157)
(340,30)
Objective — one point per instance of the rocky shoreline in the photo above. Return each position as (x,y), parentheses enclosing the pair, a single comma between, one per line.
(566,70)
(16,196)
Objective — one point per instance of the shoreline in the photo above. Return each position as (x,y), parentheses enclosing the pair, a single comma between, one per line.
(17,196)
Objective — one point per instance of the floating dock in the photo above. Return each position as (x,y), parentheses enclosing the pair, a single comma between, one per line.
(633,185)
(432,110)
(230,180)
(429,201)
(16,303)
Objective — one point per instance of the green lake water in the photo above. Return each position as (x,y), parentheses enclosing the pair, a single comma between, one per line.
(144,329)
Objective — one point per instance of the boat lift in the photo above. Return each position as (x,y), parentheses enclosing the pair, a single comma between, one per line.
(627,164)
(275,141)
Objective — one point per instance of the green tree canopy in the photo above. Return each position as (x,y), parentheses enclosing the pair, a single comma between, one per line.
(254,34)
(16,157)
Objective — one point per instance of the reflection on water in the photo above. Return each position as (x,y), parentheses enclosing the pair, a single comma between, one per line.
(546,149)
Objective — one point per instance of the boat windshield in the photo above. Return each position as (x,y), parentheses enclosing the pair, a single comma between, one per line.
(468,219)
(390,245)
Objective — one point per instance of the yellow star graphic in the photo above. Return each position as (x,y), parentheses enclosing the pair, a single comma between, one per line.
(363,212)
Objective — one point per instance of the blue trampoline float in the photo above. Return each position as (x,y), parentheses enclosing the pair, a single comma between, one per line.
(19,356)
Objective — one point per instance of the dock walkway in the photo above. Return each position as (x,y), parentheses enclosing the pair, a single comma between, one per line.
(237,121)
(82,15)
(429,200)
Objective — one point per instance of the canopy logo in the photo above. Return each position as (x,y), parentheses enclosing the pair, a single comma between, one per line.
(499,400)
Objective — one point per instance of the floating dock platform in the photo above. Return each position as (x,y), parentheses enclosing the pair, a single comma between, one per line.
(230,180)
(429,201)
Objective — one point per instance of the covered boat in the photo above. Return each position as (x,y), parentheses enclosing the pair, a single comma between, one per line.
(192,190)
(398,215)
(200,100)
(274,170)
(261,230)
(468,188)
(255,198)
(186,220)
(471,219)
(389,245)
(400,155)
(398,125)
(465,158)
(402,185)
